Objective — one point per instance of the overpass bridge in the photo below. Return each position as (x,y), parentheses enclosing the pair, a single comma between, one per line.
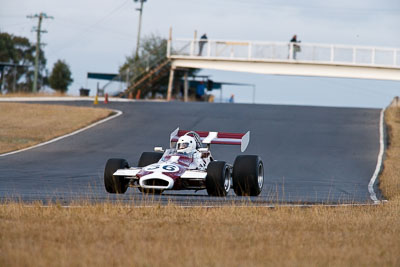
(283,58)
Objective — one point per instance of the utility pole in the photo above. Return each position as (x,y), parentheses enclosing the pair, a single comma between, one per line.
(139,27)
(38,30)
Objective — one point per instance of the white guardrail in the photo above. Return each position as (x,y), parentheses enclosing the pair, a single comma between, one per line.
(285,52)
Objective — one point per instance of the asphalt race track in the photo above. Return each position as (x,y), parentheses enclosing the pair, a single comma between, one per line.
(310,154)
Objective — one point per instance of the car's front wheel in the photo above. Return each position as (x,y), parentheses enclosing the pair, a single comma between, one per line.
(218,180)
(148,158)
(248,175)
(115,184)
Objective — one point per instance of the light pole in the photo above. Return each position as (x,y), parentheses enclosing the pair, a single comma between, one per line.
(140,26)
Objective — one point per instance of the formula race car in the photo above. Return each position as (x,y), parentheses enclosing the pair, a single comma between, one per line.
(188,165)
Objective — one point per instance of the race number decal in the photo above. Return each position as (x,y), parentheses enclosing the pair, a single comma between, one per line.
(170,168)
(162,168)
(152,167)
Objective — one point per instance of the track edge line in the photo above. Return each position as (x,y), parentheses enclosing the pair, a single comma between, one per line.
(379,162)
(118,113)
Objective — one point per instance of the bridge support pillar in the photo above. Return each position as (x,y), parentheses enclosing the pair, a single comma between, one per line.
(186,87)
(170,83)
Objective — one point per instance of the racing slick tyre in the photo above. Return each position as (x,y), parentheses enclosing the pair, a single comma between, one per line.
(218,180)
(248,175)
(148,158)
(115,184)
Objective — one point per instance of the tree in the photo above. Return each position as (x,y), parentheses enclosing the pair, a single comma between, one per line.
(60,77)
(17,50)
(152,53)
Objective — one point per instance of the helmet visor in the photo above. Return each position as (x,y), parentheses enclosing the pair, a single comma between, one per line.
(182,145)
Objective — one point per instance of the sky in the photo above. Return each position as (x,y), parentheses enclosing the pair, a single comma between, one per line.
(96,36)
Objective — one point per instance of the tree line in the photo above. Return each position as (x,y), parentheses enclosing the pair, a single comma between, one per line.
(17,58)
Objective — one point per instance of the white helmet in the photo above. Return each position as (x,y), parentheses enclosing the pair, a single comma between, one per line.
(186,144)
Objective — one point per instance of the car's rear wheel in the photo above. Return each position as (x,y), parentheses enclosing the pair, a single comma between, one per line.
(248,175)
(218,180)
(148,158)
(115,184)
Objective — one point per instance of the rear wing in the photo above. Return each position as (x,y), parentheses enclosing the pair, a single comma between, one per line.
(215,138)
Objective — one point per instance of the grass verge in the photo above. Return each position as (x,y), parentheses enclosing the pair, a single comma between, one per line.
(117,234)
(24,125)
(40,94)
(390,176)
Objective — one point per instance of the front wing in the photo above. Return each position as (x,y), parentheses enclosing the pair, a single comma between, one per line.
(132,172)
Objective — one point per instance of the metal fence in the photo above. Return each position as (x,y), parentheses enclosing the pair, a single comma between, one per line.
(281,51)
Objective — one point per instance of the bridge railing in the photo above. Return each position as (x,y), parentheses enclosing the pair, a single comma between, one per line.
(284,51)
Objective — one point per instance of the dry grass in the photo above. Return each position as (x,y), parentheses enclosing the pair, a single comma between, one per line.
(117,235)
(390,177)
(40,94)
(24,125)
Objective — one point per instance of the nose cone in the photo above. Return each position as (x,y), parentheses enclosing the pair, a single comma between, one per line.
(156,180)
